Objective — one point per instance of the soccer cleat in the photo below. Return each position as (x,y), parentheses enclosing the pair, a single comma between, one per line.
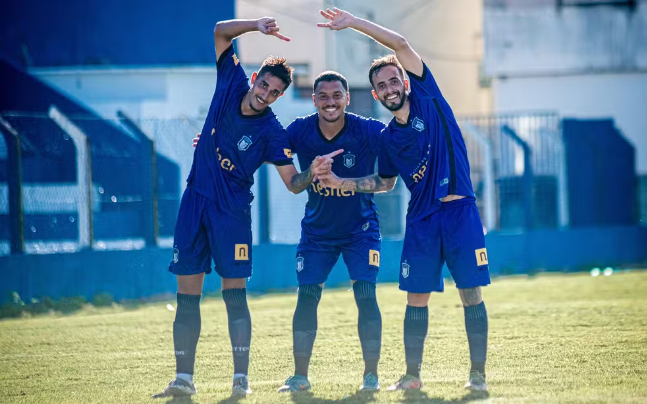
(177,388)
(406,382)
(476,381)
(370,383)
(295,383)
(241,386)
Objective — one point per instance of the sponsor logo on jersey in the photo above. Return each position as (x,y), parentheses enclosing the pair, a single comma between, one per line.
(481,257)
(374,258)
(241,252)
(288,153)
(323,191)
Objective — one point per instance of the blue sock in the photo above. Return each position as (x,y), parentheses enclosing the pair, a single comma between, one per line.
(240,327)
(369,324)
(304,327)
(416,323)
(476,325)
(186,332)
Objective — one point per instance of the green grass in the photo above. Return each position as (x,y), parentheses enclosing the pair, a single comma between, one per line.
(553,338)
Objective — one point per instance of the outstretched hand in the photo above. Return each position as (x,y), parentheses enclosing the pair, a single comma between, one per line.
(322,165)
(268,26)
(339,19)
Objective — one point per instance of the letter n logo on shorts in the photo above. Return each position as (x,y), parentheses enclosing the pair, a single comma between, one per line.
(374,258)
(241,253)
(481,257)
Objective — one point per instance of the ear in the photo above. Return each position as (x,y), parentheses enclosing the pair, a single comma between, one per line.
(347,98)
(406,85)
(313,100)
(375,94)
(254,76)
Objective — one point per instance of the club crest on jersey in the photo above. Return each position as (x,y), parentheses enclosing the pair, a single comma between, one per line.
(244,143)
(176,255)
(349,160)
(405,270)
(418,124)
(365,226)
(299,264)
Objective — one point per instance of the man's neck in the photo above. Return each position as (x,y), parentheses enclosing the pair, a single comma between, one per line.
(402,115)
(245,105)
(331,129)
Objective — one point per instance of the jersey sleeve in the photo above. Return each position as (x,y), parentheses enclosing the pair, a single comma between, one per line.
(374,130)
(385,166)
(279,151)
(230,72)
(425,85)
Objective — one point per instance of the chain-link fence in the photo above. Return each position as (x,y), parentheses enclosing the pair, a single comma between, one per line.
(82,182)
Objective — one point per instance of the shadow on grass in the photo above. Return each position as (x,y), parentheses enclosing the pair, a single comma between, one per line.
(306,397)
(231,400)
(418,396)
(180,400)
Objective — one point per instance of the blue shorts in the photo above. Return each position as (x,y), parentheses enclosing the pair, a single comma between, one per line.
(454,235)
(317,256)
(203,232)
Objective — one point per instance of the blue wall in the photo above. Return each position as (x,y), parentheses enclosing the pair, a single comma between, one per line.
(116,32)
(143,273)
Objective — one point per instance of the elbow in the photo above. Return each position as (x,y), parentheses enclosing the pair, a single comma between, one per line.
(400,43)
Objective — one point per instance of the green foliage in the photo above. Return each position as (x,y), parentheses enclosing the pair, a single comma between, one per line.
(103,300)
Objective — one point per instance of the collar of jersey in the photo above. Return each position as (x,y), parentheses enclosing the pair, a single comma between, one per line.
(404,125)
(338,135)
(266,111)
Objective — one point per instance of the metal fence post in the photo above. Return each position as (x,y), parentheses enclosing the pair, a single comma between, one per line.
(150,202)
(84,175)
(527,175)
(14,182)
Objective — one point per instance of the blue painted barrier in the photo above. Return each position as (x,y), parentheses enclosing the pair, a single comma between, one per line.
(143,273)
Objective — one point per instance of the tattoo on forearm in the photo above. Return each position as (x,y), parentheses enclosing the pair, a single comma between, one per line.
(371,184)
(301,181)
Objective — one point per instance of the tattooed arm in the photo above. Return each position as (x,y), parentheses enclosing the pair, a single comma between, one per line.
(371,184)
(298,182)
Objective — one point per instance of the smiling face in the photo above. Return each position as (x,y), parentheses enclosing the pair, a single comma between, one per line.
(331,99)
(265,89)
(389,87)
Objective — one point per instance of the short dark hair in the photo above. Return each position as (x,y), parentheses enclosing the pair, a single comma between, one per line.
(330,76)
(277,67)
(388,60)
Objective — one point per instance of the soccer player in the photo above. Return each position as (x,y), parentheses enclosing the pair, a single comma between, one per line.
(337,222)
(214,220)
(424,145)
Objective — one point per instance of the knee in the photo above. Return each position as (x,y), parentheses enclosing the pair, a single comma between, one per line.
(418,299)
(309,294)
(471,296)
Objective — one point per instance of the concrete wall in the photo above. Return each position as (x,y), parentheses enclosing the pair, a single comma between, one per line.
(622,97)
(446,34)
(143,273)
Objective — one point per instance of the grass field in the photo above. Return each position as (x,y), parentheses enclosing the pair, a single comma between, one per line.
(553,338)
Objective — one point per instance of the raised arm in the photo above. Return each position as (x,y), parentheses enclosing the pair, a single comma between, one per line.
(408,58)
(226,31)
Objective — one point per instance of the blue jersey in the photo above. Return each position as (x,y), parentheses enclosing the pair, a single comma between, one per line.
(233,146)
(428,151)
(333,213)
